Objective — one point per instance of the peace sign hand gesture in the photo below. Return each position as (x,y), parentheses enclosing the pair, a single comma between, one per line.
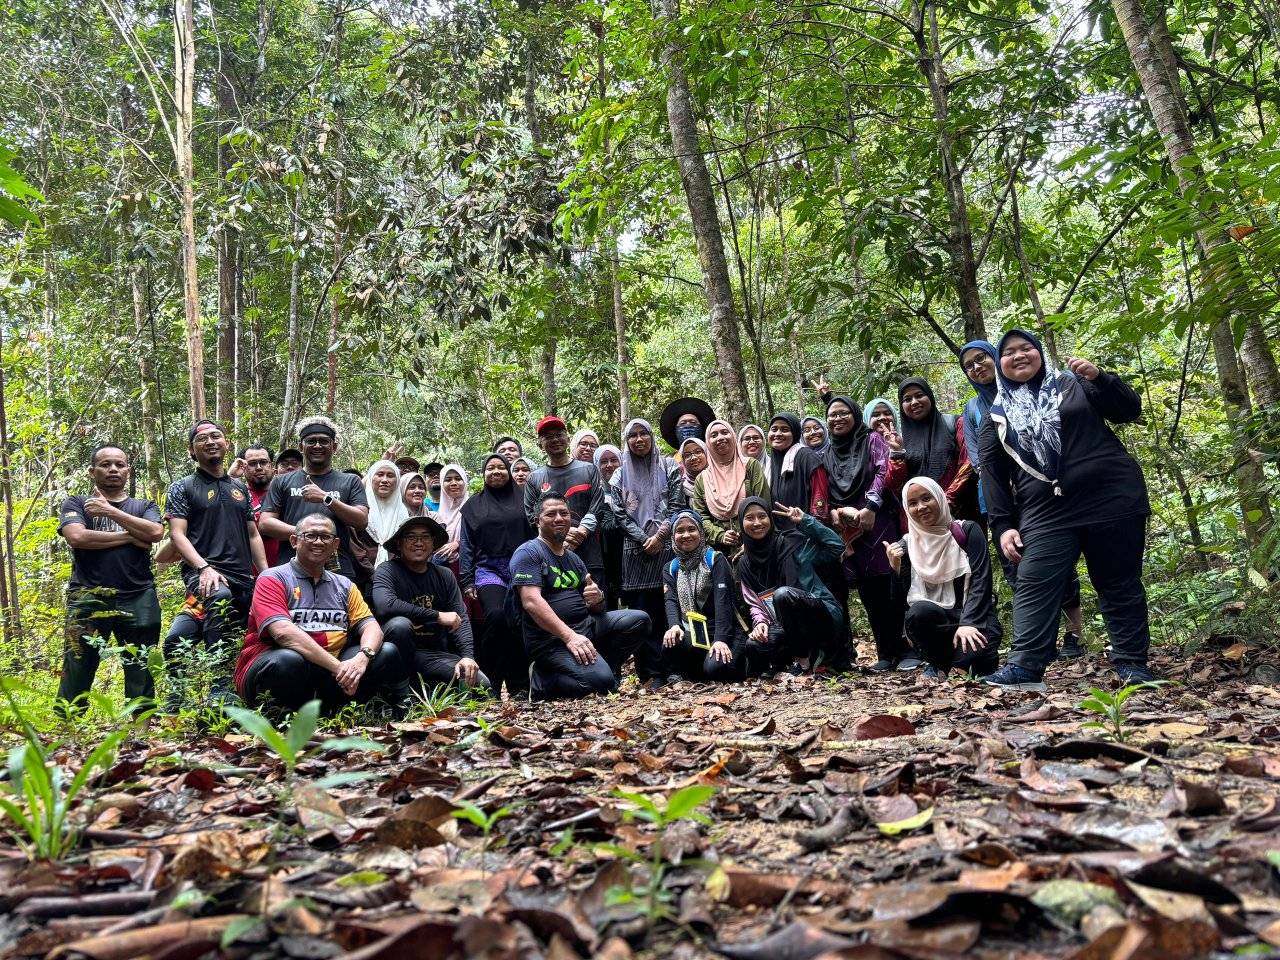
(794,514)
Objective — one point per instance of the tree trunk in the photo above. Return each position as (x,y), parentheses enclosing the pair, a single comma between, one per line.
(12,609)
(964,264)
(695,178)
(148,399)
(549,376)
(293,362)
(184,56)
(615,271)
(1153,59)
(335,294)
(1260,367)
(1028,276)
(228,259)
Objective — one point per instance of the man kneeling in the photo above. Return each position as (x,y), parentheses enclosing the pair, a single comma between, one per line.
(311,635)
(575,647)
(421,607)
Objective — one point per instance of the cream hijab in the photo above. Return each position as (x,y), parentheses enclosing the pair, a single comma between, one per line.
(385,513)
(936,559)
(724,483)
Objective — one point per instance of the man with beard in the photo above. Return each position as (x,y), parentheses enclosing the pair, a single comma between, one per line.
(112,592)
(432,472)
(311,635)
(575,480)
(212,527)
(257,473)
(576,648)
(316,488)
(421,610)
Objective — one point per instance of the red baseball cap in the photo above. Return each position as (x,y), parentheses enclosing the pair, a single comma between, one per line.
(550,422)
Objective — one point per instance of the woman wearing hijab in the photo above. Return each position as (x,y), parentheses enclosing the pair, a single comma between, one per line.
(583,444)
(413,492)
(644,485)
(931,444)
(945,568)
(453,494)
(979,361)
(751,444)
(493,524)
(694,457)
(881,416)
(608,459)
(1059,483)
(386,507)
(814,432)
(727,481)
(797,477)
(866,518)
(521,467)
(794,618)
(699,581)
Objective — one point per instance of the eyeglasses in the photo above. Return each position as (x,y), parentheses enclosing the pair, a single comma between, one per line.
(320,441)
(317,537)
(976,362)
(417,538)
(839,414)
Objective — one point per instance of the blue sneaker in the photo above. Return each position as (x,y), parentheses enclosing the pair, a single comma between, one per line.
(1131,672)
(1014,677)
(931,672)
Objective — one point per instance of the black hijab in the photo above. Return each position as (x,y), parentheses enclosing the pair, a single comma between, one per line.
(848,459)
(495,519)
(929,444)
(767,563)
(795,487)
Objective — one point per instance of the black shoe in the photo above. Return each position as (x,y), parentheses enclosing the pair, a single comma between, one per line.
(881,666)
(930,672)
(1014,677)
(535,693)
(674,678)
(1131,673)
(1072,648)
(909,662)
(654,684)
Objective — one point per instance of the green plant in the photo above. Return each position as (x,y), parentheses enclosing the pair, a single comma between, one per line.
(485,821)
(1110,707)
(42,794)
(684,804)
(291,746)
(441,697)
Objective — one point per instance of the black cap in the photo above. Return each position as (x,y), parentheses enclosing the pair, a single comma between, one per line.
(439,535)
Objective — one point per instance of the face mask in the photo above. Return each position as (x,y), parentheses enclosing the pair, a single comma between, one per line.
(687,432)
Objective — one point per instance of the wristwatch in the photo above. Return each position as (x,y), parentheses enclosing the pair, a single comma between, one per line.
(328,499)
(369,653)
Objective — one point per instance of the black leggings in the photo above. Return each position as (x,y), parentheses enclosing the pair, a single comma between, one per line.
(886,607)
(650,662)
(615,634)
(803,629)
(932,629)
(499,648)
(432,667)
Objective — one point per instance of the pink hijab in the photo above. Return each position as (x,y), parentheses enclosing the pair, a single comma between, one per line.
(724,483)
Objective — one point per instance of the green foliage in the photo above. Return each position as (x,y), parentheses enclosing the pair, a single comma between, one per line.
(38,810)
(683,805)
(293,746)
(1110,708)
(484,821)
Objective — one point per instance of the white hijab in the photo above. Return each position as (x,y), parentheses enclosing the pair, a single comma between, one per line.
(449,513)
(936,559)
(385,513)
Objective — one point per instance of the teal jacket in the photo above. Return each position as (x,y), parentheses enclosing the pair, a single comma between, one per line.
(819,545)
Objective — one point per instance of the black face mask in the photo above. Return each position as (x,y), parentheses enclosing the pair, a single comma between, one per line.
(688,432)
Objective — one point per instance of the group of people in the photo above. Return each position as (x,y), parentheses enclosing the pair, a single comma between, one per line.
(737,555)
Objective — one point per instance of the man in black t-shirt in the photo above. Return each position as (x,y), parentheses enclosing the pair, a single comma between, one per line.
(317,488)
(112,591)
(212,526)
(579,483)
(577,649)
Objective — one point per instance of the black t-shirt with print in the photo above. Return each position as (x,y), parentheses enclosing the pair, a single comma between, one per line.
(284,499)
(562,579)
(126,569)
(218,512)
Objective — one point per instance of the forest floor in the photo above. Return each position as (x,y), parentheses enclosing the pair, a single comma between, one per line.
(867,817)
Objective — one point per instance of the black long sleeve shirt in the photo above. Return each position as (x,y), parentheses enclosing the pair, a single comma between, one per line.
(719,607)
(1100,481)
(419,597)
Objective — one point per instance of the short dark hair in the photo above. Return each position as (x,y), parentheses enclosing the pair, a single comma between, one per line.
(546,498)
(195,428)
(258,446)
(312,517)
(93,454)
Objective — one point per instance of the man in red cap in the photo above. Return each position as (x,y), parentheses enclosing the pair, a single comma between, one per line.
(580,485)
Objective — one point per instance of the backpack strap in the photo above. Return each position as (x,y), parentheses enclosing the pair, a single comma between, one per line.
(959,534)
(950,420)
(709,558)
